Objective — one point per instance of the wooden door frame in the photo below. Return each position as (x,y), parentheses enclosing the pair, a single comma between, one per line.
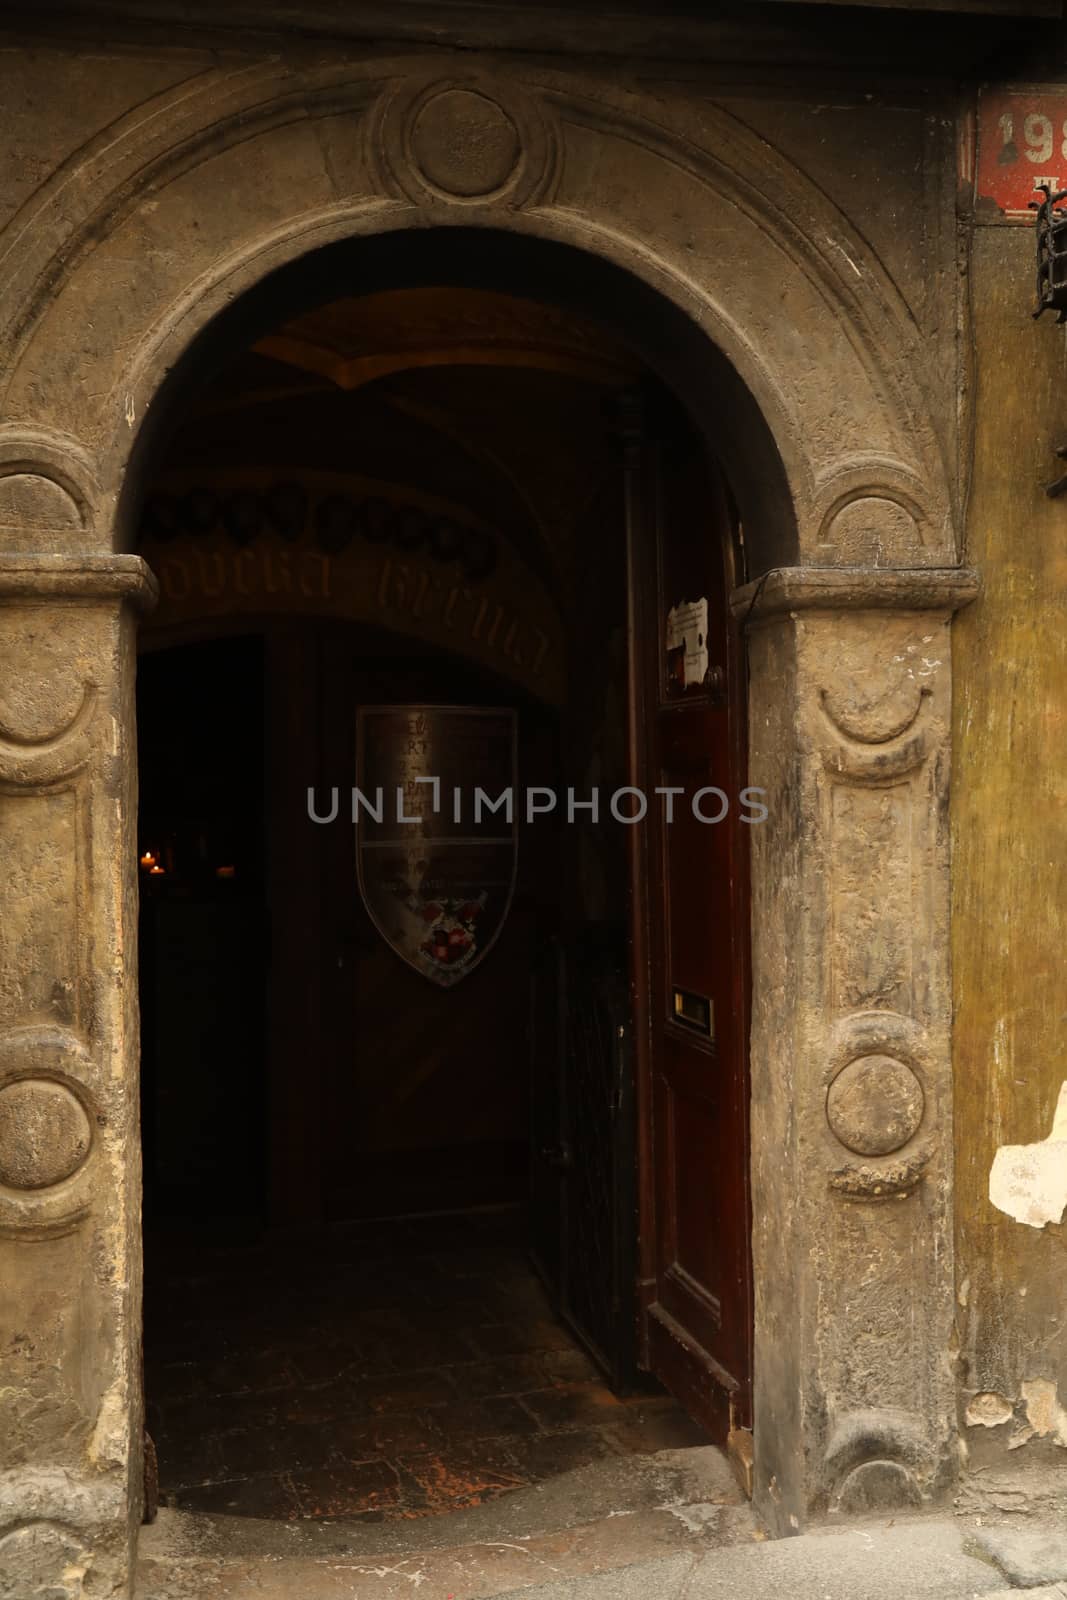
(636,522)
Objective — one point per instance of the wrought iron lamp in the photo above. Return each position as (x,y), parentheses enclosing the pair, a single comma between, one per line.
(1051,252)
(1052,277)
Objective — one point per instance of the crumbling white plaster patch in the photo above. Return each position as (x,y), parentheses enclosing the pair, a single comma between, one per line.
(1029,1181)
(1044,1413)
(108,1444)
(988,1410)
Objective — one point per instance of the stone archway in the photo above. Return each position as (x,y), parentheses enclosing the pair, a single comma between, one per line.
(115,267)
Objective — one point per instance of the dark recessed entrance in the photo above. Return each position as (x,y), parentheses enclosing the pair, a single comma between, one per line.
(412,1241)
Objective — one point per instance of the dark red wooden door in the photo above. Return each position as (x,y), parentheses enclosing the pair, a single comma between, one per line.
(690,931)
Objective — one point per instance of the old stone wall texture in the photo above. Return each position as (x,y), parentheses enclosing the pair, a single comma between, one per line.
(853,1184)
(70,1403)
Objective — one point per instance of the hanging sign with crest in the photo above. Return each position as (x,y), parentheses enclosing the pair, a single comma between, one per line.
(437,845)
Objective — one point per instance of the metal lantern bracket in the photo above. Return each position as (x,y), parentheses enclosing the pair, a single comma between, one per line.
(1052,278)
(1051,252)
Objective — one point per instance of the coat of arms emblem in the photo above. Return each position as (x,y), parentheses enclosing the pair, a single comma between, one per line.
(437,839)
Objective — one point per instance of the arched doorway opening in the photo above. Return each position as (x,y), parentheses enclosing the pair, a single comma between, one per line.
(424,497)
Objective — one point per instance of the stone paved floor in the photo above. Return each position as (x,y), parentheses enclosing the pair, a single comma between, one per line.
(397,1371)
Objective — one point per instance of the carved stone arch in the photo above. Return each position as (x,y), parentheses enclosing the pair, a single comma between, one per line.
(746,171)
(113,272)
(710,216)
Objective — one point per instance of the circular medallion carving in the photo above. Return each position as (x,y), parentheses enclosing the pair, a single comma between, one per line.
(464,144)
(47,1122)
(44,1133)
(469,141)
(875,1105)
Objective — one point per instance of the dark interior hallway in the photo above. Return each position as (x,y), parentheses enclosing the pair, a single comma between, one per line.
(371,574)
(392,1370)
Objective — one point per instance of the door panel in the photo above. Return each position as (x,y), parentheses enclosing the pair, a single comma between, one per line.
(597,1267)
(548,1081)
(696,1290)
(583,1196)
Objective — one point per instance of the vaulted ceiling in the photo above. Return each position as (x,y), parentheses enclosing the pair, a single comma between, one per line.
(494,408)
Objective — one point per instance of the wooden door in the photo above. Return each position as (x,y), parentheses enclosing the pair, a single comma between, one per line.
(597,1268)
(582,1192)
(690,934)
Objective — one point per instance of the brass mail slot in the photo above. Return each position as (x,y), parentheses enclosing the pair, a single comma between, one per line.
(694,1011)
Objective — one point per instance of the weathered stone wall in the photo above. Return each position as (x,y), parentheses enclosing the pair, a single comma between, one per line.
(138,230)
(851,1091)
(70,1396)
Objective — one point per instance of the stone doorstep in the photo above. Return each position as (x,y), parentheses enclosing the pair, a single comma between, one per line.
(614,1511)
(705,1553)
(476,1571)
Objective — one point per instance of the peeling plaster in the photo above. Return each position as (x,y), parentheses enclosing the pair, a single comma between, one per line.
(1044,1413)
(1029,1181)
(108,1443)
(73,1578)
(988,1410)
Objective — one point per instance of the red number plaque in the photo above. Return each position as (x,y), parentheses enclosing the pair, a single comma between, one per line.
(1022,141)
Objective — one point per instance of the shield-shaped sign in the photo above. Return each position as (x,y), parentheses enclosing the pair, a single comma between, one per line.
(436,831)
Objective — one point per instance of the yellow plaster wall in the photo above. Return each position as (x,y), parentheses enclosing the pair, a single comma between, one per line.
(1010,860)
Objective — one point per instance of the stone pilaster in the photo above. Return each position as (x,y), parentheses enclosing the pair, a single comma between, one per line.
(70,1268)
(851,1066)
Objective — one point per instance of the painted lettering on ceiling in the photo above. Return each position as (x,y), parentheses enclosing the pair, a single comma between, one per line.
(294,548)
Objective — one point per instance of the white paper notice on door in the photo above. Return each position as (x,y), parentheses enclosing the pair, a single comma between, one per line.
(687,631)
